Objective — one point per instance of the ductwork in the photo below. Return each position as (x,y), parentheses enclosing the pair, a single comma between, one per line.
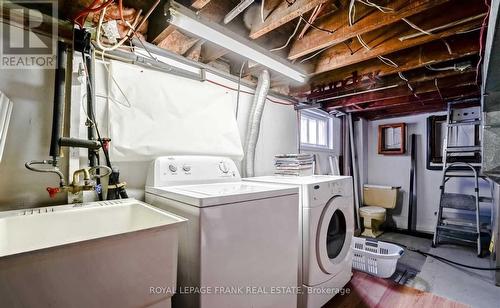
(254,119)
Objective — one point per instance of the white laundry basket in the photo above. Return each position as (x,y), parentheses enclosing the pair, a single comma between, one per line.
(375,257)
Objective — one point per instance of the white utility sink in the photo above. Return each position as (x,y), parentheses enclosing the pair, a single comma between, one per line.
(99,254)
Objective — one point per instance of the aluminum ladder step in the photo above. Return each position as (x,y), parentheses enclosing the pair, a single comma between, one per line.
(461,229)
(463,123)
(458,201)
(485,199)
(463,149)
(459,239)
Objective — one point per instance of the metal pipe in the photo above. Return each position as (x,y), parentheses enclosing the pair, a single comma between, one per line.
(254,120)
(89,64)
(355,176)
(55,169)
(58,105)
(79,143)
(413,184)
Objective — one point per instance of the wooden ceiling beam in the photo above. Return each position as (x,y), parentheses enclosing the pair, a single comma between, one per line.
(338,22)
(426,98)
(412,58)
(413,109)
(199,4)
(406,111)
(403,91)
(211,52)
(282,14)
(414,79)
(385,41)
(418,107)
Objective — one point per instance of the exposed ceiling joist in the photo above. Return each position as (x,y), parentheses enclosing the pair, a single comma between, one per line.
(404,91)
(412,58)
(199,4)
(385,41)
(413,78)
(211,52)
(416,108)
(425,98)
(283,14)
(178,42)
(338,23)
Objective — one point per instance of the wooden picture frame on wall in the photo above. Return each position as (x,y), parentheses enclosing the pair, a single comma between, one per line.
(392,139)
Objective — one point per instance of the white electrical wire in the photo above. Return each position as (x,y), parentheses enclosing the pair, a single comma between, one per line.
(315,54)
(363,43)
(383,9)
(402,76)
(117,85)
(458,68)
(414,26)
(290,38)
(123,40)
(352,12)
(388,61)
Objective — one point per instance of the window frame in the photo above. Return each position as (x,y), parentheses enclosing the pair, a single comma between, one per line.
(319,116)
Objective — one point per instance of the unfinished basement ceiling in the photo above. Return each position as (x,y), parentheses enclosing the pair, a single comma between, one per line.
(372,58)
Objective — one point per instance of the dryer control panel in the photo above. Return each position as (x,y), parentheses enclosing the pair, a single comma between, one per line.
(319,193)
(187,170)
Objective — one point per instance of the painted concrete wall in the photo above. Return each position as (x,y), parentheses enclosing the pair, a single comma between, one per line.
(28,138)
(395,171)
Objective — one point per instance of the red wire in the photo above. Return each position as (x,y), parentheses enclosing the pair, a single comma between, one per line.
(481,40)
(246,92)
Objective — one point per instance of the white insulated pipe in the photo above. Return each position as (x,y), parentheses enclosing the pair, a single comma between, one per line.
(254,120)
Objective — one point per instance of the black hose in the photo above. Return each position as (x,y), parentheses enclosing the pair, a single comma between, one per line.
(444,260)
(91,114)
(58,106)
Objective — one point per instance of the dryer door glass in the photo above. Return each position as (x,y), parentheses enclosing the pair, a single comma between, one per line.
(336,234)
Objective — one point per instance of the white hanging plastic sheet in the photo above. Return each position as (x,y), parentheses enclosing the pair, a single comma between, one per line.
(153,113)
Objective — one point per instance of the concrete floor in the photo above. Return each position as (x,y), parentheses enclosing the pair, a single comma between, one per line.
(473,287)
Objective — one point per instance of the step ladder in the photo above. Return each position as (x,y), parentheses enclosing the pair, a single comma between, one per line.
(463,231)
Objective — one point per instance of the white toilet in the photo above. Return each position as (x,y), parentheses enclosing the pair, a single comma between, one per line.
(376,200)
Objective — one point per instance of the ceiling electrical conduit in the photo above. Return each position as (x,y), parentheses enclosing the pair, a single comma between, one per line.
(254,120)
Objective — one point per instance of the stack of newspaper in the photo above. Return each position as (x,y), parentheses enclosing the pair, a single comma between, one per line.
(294,164)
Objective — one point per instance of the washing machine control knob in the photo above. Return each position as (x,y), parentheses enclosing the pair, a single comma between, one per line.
(223,167)
(186,168)
(172,168)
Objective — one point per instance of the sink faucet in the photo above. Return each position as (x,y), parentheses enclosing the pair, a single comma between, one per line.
(88,183)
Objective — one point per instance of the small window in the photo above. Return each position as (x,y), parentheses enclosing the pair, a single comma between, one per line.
(315,129)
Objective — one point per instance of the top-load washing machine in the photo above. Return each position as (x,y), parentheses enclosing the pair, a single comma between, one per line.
(327,229)
(239,247)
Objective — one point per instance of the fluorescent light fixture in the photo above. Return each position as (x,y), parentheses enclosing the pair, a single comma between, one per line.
(237,10)
(188,21)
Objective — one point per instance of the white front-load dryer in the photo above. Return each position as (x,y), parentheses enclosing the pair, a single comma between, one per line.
(327,216)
